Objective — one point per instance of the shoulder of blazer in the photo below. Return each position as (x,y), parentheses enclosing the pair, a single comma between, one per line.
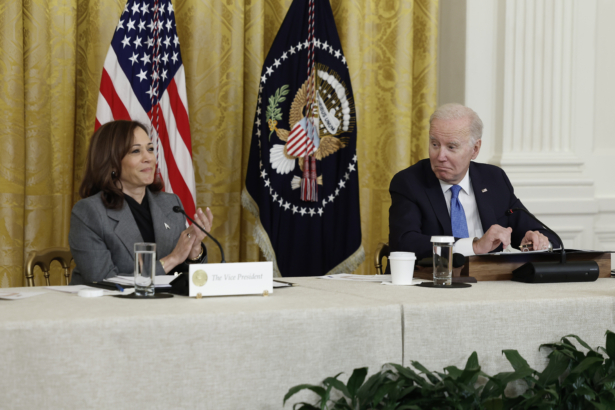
(89,206)
(413,175)
(166,201)
(488,172)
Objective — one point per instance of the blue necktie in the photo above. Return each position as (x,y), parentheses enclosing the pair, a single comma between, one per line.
(458,215)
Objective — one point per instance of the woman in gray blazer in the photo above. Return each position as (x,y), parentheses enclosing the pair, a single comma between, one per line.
(123,204)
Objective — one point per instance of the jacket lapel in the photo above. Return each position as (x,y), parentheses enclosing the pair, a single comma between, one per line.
(164,235)
(436,197)
(483,203)
(126,228)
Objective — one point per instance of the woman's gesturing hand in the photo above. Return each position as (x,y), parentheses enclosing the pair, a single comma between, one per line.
(184,245)
(205,219)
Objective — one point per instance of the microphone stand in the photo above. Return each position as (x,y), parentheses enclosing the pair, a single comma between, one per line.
(179,210)
(549,272)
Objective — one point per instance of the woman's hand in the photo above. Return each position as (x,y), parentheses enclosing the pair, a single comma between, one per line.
(184,245)
(205,219)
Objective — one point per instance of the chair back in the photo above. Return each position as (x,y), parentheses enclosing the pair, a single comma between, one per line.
(381,251)
(43,260)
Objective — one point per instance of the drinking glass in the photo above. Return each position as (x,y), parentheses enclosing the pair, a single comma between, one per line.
(443,260)
(145,268)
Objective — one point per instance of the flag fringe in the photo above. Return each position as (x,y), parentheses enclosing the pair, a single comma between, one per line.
(351,263)
(261,238)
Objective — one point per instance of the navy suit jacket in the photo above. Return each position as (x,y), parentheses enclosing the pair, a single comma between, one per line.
(418,209)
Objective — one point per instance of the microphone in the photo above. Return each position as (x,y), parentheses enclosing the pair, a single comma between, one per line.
(179,210)
(549,272)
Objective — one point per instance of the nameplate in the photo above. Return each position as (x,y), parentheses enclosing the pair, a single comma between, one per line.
(225,279)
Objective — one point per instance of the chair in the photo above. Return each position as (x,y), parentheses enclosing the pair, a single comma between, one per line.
(381,251)
(43,260)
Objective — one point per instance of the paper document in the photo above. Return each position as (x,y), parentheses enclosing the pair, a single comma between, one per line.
(76,288)
(160,281)
(414,282)
(511,250)
(357,278)
(18,295)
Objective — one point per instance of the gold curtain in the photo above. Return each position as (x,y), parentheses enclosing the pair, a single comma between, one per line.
(51,57)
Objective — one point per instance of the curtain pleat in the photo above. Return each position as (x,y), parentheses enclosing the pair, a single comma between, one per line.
(51,57)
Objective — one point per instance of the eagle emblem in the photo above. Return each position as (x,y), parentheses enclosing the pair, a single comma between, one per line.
(317,134)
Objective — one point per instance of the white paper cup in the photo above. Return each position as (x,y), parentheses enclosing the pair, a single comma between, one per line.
(402,267)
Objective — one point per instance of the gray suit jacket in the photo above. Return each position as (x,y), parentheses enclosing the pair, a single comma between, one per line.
(102,240)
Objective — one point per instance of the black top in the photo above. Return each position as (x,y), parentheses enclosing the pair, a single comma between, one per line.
(143,217)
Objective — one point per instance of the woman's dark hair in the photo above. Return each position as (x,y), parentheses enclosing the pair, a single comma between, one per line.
(108,146)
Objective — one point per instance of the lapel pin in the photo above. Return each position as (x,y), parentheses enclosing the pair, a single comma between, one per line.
(167,226)
(484,190)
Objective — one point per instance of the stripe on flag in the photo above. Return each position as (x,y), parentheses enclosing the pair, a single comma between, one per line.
(298,142)
(144,80)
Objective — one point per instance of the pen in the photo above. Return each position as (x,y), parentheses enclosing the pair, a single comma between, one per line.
(121,289)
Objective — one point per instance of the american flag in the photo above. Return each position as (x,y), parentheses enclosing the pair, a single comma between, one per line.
(143,79)
(298,141)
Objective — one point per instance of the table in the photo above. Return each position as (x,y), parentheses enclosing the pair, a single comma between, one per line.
(62,351)
(442,327)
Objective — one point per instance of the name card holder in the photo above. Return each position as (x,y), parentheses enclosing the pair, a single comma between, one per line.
(226,279)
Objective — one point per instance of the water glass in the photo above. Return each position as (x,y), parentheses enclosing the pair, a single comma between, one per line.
(145,268)
(443,260)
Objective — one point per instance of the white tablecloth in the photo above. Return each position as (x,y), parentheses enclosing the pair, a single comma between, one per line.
(442,327)
(61,351)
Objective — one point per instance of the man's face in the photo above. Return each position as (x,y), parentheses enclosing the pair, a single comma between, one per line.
(450,150)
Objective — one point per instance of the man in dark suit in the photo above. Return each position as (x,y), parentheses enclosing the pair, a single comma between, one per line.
(450,195)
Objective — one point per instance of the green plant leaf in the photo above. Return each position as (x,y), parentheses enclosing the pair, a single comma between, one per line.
(424,370)
(356,380)
(495,403)
(581,342)
(408,390)
(497,384)
(610,344)
(586,364)
(472,362)
(558,363)
(515,359)
(381,392)
(367,390)
(325,397)
(337,384)
(585,391)
(304,406)
(294,390)
(453,372)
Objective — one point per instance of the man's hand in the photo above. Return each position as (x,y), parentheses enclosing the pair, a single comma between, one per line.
(495,236)
(538,240)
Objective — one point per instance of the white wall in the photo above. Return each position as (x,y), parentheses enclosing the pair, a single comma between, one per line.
(541,75)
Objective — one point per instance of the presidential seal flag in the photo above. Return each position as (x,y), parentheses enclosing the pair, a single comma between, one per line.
(302,182)
(143,79)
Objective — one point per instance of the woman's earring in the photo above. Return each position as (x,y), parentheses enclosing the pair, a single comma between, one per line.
(113,174)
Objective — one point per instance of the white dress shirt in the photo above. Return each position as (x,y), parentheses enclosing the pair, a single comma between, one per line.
(468,201)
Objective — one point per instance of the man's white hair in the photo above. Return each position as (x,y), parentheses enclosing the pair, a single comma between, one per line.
(454,111)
